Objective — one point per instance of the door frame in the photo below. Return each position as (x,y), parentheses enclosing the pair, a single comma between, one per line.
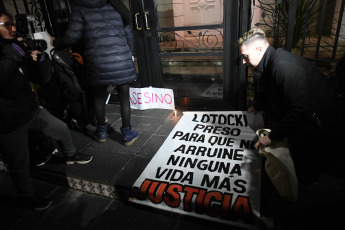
(237,14)
(144,16)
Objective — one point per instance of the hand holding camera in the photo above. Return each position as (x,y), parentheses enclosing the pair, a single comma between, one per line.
(23,31)
(38,45)
(35,54)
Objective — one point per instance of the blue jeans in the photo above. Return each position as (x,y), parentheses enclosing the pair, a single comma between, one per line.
(15,147)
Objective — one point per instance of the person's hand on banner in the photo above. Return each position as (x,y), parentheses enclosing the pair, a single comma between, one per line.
(263,142)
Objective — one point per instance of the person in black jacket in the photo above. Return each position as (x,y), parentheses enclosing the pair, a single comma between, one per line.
(108,46)
(20,113)
(297,99)
(298,103)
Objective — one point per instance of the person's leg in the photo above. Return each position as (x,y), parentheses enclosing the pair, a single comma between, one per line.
(99,97)
(57,130)
(53,127)
(270,200)
(16,149)
(125,104)
(14,146)
(129,135)
(306,152)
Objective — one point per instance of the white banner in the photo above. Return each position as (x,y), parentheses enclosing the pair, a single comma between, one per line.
(151,98)
(208,168)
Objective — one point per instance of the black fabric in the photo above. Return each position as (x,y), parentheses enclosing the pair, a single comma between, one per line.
(14,145)
(41,147)
(17,100)
(125,104)
(99,98)
(100,94)
(290,89)
(64,95)
(339,121)
(63,71)
(340,77)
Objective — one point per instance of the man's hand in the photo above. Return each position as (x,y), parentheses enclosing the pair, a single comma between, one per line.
(34,54)
(263,142)
(251,109)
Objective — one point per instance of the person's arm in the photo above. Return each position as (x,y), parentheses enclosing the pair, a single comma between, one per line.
(74,32)
(129,37)
(40,67)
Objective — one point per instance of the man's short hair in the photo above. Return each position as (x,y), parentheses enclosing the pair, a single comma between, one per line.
(5,13)
(252,36)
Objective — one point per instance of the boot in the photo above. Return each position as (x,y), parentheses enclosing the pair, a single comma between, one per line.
(129,135)
(101,133)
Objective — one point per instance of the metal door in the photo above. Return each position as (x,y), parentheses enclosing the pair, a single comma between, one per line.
(189,46)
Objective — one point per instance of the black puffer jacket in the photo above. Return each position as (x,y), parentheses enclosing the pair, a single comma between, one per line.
(289,90)
(107,42)
(17,100)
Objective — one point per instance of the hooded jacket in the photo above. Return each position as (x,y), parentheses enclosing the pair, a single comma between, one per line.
(108,43)
(289,90)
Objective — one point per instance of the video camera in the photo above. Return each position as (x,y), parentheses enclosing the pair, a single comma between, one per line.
(22,26)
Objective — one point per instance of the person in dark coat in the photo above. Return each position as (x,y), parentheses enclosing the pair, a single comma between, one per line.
(298,102)
(297,99)
(108,46)
(20,113)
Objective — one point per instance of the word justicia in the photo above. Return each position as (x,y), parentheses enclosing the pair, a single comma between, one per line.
(197,200)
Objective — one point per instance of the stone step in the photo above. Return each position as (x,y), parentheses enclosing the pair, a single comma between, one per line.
(83,184)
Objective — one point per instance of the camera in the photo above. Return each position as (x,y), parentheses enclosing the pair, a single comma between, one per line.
(22,26)
(39,45)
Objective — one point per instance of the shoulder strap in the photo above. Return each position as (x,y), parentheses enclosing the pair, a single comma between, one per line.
(122,9)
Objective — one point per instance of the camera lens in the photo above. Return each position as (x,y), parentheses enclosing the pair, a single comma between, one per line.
(39,45)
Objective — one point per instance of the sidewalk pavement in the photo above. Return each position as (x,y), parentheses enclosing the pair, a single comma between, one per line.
(95,195)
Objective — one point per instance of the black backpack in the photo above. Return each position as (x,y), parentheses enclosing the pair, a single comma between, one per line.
(70,98)
(63,71)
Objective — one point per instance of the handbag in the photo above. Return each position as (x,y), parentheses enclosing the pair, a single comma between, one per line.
(280,167)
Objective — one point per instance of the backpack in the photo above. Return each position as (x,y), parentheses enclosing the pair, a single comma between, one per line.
(63,70)
(64,93)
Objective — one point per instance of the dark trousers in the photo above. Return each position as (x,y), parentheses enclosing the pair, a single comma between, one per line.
(14,146)
(313,146)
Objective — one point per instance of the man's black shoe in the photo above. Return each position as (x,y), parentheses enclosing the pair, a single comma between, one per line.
(78,158)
